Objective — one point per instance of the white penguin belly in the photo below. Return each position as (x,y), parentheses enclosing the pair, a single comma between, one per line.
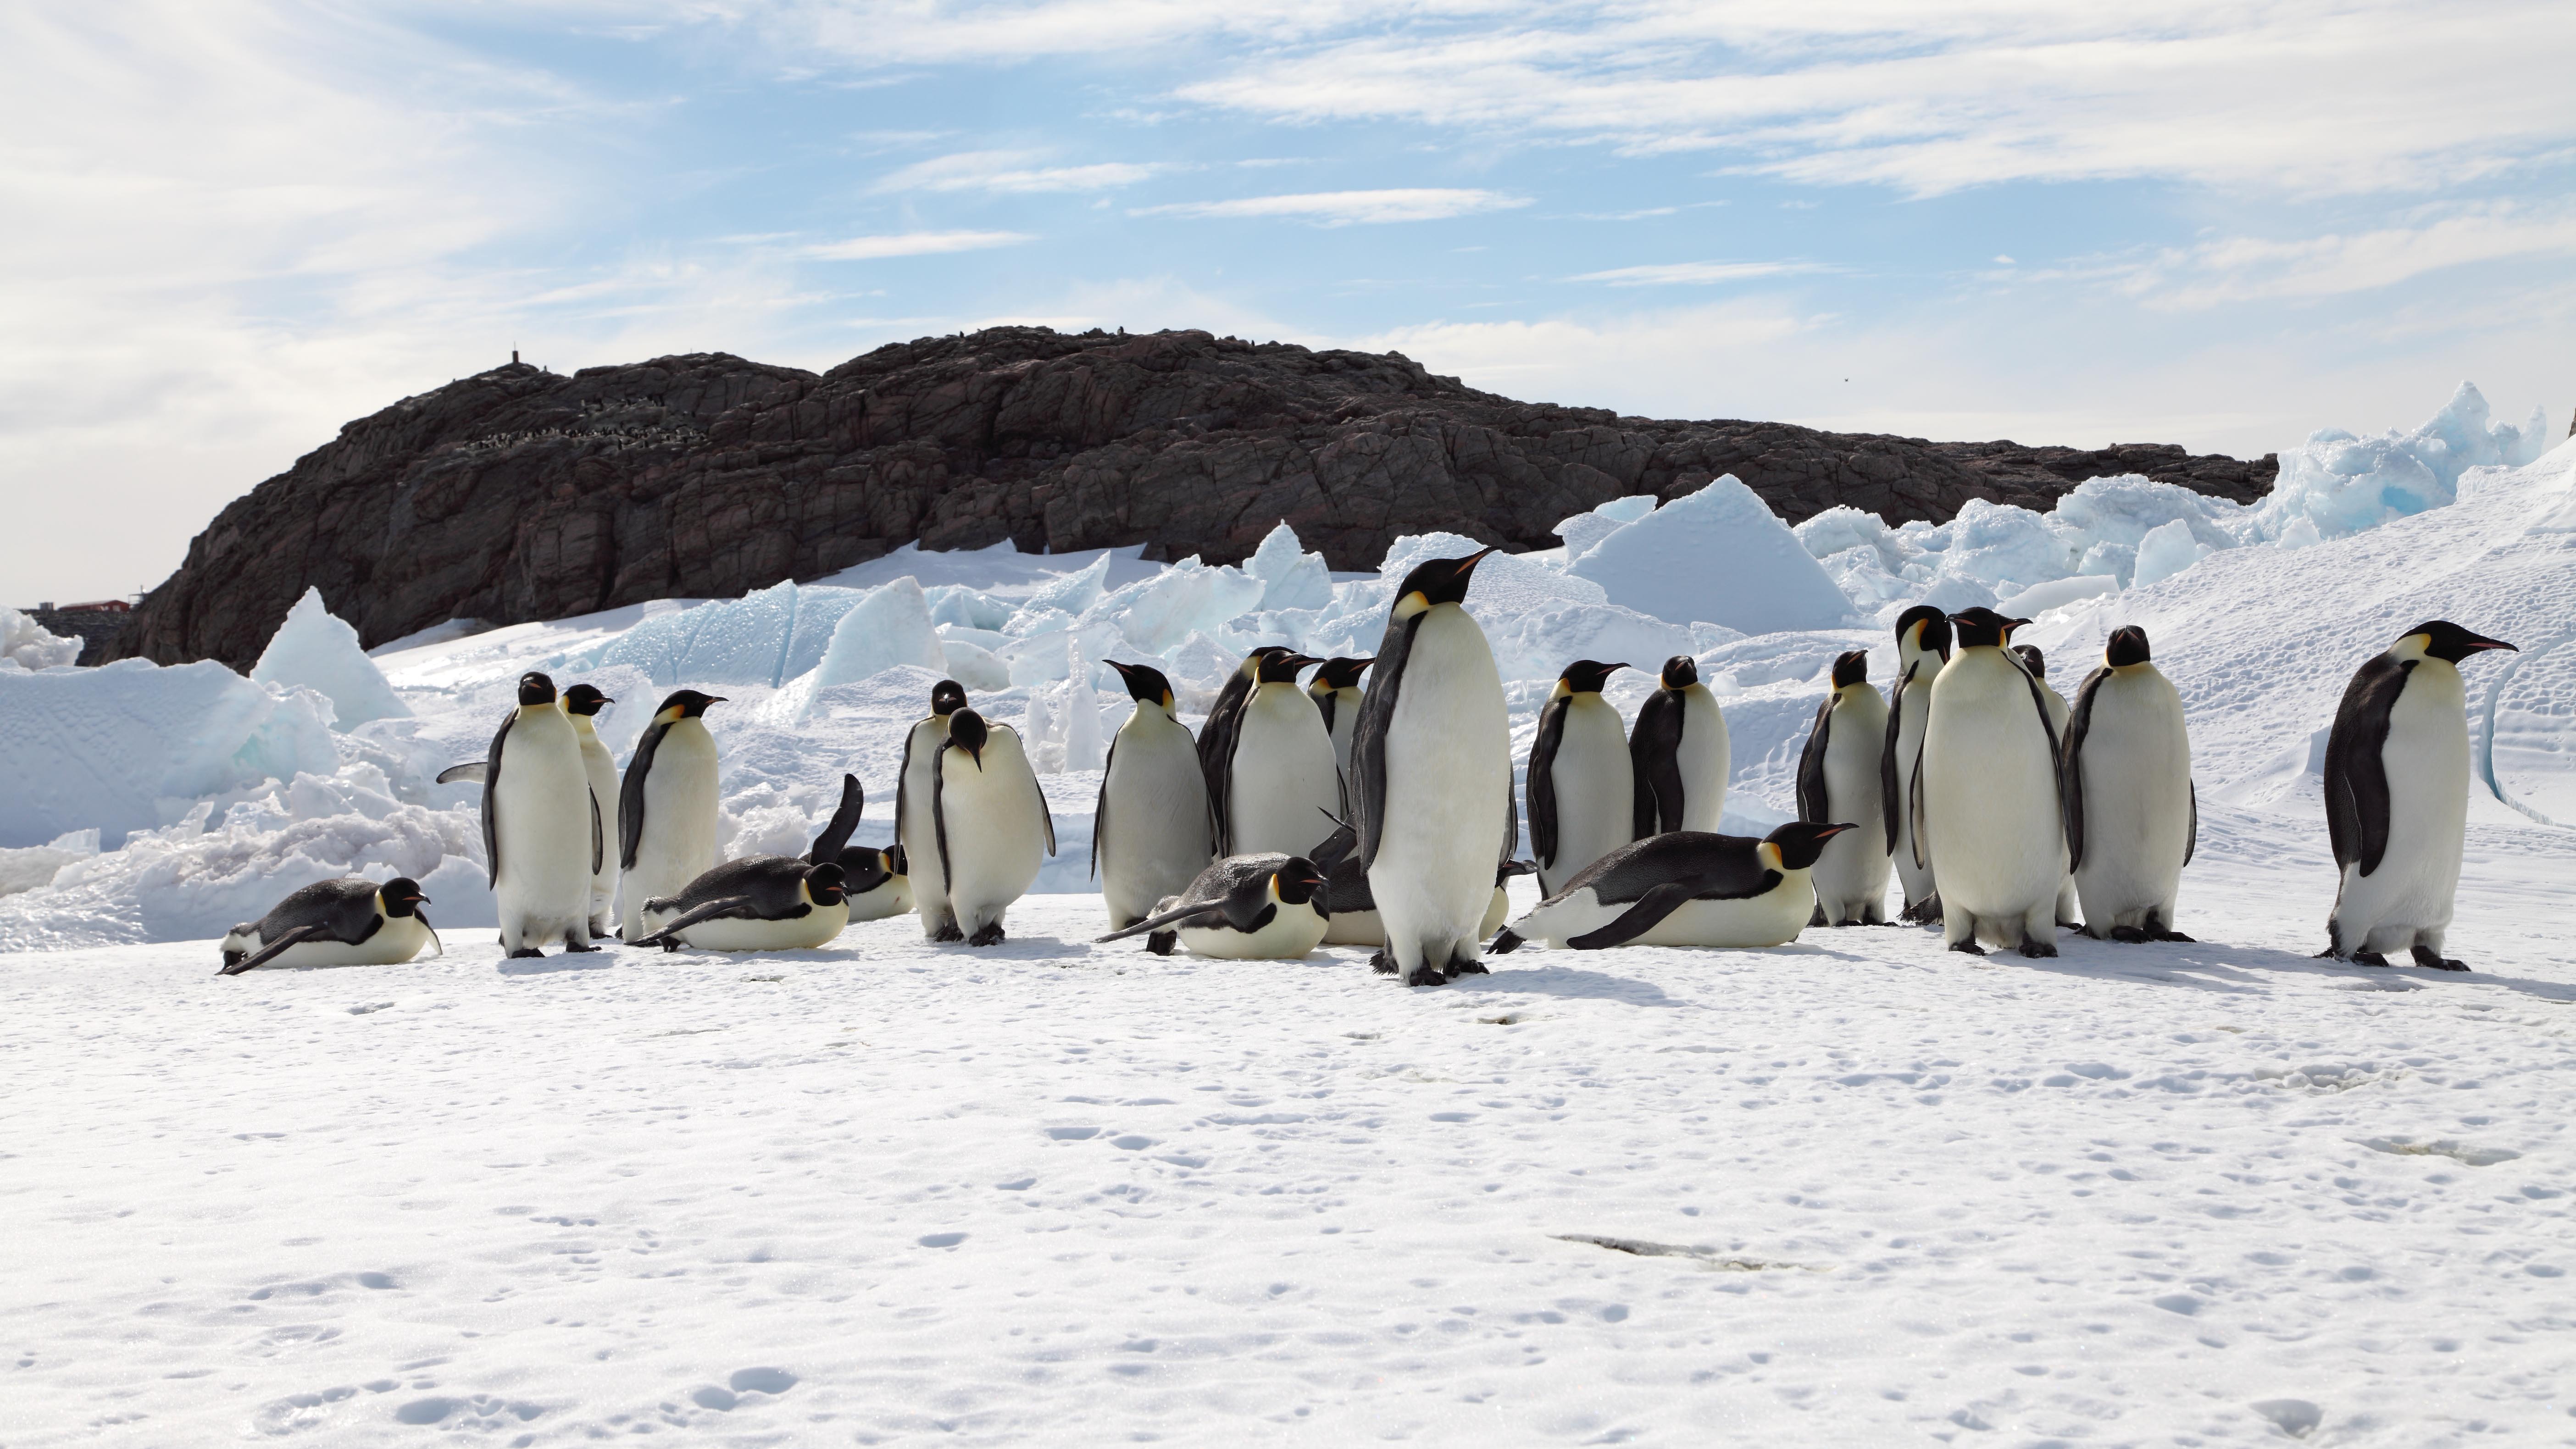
(1285,786)
(1990,790)
(1851,875)
(1703,760)
(1292,930)
(815,928)
(679,839)
(1771,919)
(543,800)
(1448,764)
(601,770)
(2427,760)
(1595,785)
(2136,773)
(1354,928)
(996,838)
(1157,840)
(1917,878)
(892,898)
(1346,719)
(917,829)
(398,940)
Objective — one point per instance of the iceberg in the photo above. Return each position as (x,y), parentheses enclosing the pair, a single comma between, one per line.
(316,649)
(1718,555)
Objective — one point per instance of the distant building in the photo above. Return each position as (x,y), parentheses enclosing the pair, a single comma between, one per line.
(93,623)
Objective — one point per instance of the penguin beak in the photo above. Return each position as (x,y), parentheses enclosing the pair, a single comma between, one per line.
(2482,642)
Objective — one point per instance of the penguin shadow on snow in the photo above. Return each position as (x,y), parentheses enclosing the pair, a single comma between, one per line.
(1534,975)
(2228,969)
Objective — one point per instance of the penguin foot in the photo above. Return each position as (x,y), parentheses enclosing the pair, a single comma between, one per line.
(2127,935)
(1925,912)
(2176,936)
(990,934)
(2432,960)
(1505,942)
(1426,976)
(670,945)
(1969,946)
(1382,964)
(948,934)
(1466,966)
(525,953)
(1162,942)
(2368,958)
(2037,949)
(1818,919)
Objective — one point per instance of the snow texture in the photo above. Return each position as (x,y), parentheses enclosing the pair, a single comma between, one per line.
(317,650)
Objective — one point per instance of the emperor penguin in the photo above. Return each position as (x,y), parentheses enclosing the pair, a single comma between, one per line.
(1685,888)
(1987,785)
(1336,692)
(1270,762)
(542,832)
(666,806)
(1838,780)
(1679,751)
(2132,816)
(991,821)
(2037,663)
(2397,797)
(915,823)
(1922,647)
(1582,784)
(583,702)
(1352,918)
(1433,760)
(1216,732)
(757,903)
(874,880)
(350,922)
(1150,831)
(1267,907)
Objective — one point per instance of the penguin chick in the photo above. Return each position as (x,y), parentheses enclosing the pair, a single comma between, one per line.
(1244,907)
(1685,888)
(349,922)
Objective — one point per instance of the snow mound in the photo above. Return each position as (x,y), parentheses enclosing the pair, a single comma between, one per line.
(318,650)
(887,627)
(2340,484)
(31,645)
(1717,556)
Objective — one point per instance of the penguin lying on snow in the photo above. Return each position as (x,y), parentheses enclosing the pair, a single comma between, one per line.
(1685,888)
(1244,908)
(349,922)
(877,881)
(2397,797)
(781,902)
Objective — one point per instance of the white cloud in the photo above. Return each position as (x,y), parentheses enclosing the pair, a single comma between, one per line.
(1697,273)
(1346,208)
(1013,171)
(2238,269)
(910,244)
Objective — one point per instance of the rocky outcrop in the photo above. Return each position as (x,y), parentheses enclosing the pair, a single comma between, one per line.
(523,494)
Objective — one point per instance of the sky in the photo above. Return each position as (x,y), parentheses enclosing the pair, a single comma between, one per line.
(233,225)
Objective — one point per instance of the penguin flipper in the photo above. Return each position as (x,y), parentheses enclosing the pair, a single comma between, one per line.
(1216,742)
(1637,920)
(2356,774)
(938,808)
(845,818)
(471,772)
(1100,808)
(492,801)
(598,836)
(1811,765)
(2070,767)
(271,951)
(1542,779)
(724,906)
(1046,816)
(1654,749)
(2191,845)
(1889,801)
(1914,808)
(1197,913)
(630,795)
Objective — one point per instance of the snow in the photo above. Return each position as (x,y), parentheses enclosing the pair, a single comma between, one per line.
(1719,556)
(317,650)
(30,645)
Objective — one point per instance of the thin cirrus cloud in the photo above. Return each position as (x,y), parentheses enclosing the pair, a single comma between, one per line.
(2239,269)
(1697,274)
(1349,208)
(1014,172)
(910,244)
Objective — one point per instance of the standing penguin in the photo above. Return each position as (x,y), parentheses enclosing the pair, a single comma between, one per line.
(2132,817)
(1987,782)
(915,822)
(2037,664)
(1269,762)
(992,823)
(1582,783)
(1838,780)
(1149,833)
(2397,797)
(1922,647)
(350,922)
(582,702)
(1336,692)
(1433,759)
(542,834)
(1679,752)
(666,807)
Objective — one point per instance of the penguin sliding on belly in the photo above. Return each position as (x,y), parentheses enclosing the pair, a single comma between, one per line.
(1149,832)
(1987,785)
(1269,761)
(780,902)
(915,822)
(666,806)
(2132,817)
(2397,797)
(1685,888)
(1335,689)
(350,922)
(542,833)
(992,823)
(1838,780)
(1265,907)
(1922,647)
(1433,757)
(2058,710)
(1582,781)
(1679,752)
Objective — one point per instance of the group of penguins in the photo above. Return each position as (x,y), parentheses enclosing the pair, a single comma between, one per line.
(1328,814)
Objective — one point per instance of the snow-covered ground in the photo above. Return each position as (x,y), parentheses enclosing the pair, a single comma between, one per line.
(1061,1193)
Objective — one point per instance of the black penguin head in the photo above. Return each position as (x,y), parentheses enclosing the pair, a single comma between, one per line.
(2032,660)
(535,688)
(1145,683)
(1851,667)
(1250,668)
(1298,881)
(1338,673)
(401,896)
(1801,842)
(2128,646)
(1438,581)
(1281,667)
(682,704)
(584,699)
(1982,628)
(1680,672)
(1586,676)
(1935,638)
(824,882)
(947,697)
(967,731)
(2450,643)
